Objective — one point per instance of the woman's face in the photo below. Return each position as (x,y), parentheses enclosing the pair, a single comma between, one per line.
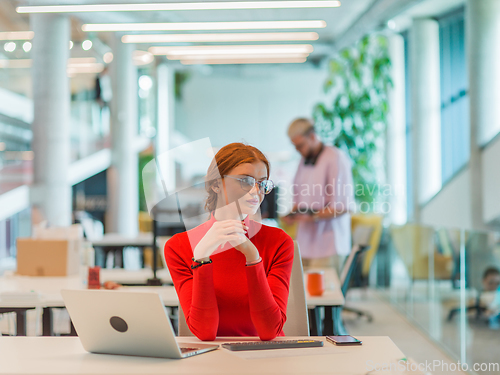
(237,189)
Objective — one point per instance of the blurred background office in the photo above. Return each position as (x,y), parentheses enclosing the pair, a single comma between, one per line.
(408,89)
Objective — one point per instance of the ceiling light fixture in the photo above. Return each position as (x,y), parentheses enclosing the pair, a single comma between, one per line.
(86,45)
(81,60)
(73,63)
(214,38)
(9,47)
(107,57)
(85,69)
(245,61)
(177,6)
(27,46)
(17,63)
(17,35)
(232,49)
(240,56)
(142,57)
(175,26)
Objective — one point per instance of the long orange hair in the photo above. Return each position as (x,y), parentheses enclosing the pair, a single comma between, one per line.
(228,158)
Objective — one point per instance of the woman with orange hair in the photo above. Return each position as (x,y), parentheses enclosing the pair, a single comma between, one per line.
(231,273)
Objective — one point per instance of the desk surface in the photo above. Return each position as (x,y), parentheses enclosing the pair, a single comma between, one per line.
(64,355)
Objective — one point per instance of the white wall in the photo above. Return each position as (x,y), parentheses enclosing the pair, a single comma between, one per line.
(491,181)
(451,206)
(253,104)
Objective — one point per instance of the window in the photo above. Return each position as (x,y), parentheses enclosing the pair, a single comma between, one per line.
(409,146)
(455,129)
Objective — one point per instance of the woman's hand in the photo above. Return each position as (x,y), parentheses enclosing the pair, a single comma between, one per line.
(232,231)
(248,249)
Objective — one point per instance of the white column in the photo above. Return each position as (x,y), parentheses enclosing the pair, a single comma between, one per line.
(51,123)
(396,132)
(122,176)
(426,110)
(166,117)
(483,46)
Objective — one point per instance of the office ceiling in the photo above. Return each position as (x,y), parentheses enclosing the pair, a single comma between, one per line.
(337,19)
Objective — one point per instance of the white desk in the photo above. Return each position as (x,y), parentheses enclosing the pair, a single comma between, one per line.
(65,355)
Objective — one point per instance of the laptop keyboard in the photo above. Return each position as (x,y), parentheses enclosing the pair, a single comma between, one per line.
(184,350)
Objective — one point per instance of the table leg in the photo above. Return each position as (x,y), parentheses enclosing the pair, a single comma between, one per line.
(47,322)
(328,322)
(338,323)
(118,261)
(314,322)
(21,322)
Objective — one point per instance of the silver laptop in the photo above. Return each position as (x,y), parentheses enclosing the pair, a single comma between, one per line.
(128,323)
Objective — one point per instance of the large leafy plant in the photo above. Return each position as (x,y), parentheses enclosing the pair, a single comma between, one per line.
(356,118)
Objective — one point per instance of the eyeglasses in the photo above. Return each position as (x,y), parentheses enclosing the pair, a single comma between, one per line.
(247,183)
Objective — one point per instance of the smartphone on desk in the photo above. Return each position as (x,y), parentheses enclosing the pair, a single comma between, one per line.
(343,340)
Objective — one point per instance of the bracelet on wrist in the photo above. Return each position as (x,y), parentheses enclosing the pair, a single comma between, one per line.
(253,262)
(199,263)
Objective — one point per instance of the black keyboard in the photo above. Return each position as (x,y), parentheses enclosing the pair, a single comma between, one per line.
(265,345)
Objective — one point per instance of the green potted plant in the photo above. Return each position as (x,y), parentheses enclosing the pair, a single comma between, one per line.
(356,117)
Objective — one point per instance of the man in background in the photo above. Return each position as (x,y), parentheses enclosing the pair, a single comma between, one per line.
(323,194)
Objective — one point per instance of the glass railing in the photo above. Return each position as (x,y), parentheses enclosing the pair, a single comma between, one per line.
(89,126)
(446,282)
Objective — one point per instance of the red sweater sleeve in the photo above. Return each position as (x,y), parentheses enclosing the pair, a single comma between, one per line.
(196,291)
(268,294)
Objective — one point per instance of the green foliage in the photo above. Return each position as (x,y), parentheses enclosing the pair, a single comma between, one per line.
(355,121)
(180,79)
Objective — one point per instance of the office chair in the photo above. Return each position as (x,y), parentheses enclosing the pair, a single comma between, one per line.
(352,262)
(366,230)
(297,322)
(335,312)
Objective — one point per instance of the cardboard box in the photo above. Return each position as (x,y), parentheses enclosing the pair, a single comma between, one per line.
(48,257)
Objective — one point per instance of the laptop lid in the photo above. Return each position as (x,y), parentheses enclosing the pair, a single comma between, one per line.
(128,323)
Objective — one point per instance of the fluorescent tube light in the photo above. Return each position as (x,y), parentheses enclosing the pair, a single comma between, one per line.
(245,61)
(142,57)
(232,49)
(177,6)
(17,63)
(73,63)
(17,35)
(172,26)
(240,56)
(81,60)
(91,68)
(214,38)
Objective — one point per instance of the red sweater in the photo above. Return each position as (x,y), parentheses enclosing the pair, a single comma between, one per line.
(226,297)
